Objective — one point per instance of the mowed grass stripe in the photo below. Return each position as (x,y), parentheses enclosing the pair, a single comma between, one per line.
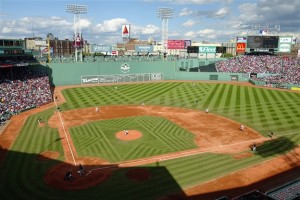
(148,122)
(84,140)
(142,151)
(207,101)
(220,95)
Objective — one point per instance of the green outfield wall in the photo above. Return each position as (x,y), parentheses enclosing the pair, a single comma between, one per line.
(73,73)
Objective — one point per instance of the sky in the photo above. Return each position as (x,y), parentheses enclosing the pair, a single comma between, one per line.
(196,20)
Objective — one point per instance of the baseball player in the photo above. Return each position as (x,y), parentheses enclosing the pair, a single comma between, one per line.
(242,127)
(126,132)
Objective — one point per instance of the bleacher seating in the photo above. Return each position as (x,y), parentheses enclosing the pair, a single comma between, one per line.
(20,88)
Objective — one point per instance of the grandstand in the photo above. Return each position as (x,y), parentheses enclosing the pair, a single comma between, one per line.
(270,69)
(20,87)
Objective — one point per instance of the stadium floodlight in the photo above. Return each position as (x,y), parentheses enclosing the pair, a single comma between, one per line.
(165,14)
(77,10)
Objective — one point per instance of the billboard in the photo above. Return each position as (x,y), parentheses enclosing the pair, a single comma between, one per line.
(285,40)
(262,42)
(78,41)
(44,50)
(240,47)
(101,48)
(284,48)
(126,31)
(241,39)
(144,48)
(176,44)
(207,49)
(187,43)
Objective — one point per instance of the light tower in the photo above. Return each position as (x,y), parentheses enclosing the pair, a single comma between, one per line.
(78,41)
(165,14)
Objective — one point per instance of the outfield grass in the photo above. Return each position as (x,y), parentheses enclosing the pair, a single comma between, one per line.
(261,109)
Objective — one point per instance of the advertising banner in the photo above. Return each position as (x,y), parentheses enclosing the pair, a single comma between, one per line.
(187,43)
(241,39)
(101,48)
(140,48)
(89,79)
(285,40)
(78,41)
(207,49)
(176,44)
(240,47)
(44,50)
(284,48)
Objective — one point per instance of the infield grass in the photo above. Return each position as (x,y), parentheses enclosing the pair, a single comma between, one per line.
(258,108)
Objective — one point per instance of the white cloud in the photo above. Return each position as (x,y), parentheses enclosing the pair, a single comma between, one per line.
(190,34)
(190,23)
(185,12)
(222,12)
(206,32)
(6,30)
(214,14)
(275,12)
(112,25)
(84,23)
(150,29)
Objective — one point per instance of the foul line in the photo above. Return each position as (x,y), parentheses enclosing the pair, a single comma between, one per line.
(62,124)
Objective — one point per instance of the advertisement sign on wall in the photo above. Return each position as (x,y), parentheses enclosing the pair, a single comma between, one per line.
(176,44)
(207,49)
(44,50)
(285,40)
(187,43)
(241,39)
(284,48)
(240,47)
(101,48)
(140,48)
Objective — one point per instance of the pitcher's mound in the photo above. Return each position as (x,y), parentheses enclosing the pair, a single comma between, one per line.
(131,135)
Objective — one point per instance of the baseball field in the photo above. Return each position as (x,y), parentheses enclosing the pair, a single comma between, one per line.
(173,149)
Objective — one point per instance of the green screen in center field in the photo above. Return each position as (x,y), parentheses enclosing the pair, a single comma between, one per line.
(159,136)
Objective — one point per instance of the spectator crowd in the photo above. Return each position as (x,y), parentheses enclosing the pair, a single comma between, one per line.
(274,69)
(21,89)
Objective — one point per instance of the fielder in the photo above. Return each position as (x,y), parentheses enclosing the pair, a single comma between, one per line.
(242,127)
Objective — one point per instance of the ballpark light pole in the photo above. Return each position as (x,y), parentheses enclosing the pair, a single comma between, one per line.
(77,10)
(165,14)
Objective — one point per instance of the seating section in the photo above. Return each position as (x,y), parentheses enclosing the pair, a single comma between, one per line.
(276,69)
